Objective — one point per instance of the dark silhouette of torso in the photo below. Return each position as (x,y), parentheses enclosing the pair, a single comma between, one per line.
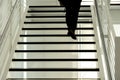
(73,3)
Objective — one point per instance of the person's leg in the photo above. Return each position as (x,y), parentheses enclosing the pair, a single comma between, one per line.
(72,10)
(71,20)
(69,17)
(73,17)
(62,2)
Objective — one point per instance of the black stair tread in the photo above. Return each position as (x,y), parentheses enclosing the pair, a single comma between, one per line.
(37,11)
(54,35)
(55,16)
(54,22)
(56,42)
(53,69)
(54,59)
(53,6)
(53,78)
(115,4)
(56,51)
(87,28)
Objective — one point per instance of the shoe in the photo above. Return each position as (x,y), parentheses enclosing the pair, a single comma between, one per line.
(71,33)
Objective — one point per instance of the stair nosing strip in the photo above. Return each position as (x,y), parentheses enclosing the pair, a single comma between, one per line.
(53,69)
(60,22)
(53,16)
(54,60)
(37,11)
(55,51)
(56,42)
(113,4)
(53,78)
(55,6)
(56,28)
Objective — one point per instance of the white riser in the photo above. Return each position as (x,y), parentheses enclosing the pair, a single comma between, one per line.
(56,32)
(82,55)
(55,14)
(55,25)
(54,19)
(57,47)
(58,8)
(57,39)
(55,74)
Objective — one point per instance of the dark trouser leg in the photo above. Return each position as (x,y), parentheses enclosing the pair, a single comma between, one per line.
(71,20)
(72,17)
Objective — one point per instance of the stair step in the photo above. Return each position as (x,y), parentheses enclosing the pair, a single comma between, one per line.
(54,22)
(55,64)
(53,79)
(58,39)
(56,35)
(61,8)
(55,60)
(57,46)
(57,32)
(55,6)
(56,42)
(55,16)
(55,28)
(61,75)
(79,25)
(83,55)
(55,51)
(52,69)
(57,20)
(55,11)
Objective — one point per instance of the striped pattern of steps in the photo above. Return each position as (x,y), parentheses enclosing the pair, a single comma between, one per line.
(45,52)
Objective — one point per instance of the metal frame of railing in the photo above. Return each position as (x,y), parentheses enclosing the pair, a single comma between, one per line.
(10,29)
(101,22)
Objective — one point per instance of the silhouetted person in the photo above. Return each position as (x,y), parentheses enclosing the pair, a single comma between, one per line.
(72,9)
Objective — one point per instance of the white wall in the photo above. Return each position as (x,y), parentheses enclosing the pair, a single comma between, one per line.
(115,11)
(11,17)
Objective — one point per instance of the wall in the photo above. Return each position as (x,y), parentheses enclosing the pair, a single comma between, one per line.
(11,20)
(115,42)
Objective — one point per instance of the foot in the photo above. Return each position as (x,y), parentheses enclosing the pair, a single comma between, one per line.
(72,34)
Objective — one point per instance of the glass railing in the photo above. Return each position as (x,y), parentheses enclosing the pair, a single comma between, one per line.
(103,28)
(11,20)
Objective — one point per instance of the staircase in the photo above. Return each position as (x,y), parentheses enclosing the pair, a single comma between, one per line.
(45,52)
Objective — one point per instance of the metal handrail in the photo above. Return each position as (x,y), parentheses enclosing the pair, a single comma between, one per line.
(103,41)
